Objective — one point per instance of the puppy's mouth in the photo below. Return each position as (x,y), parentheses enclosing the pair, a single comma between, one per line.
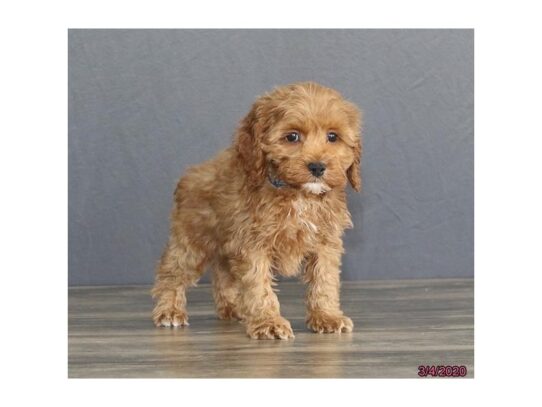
(314,185)
(317,188)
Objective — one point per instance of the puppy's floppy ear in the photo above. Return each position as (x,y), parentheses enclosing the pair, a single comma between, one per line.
(248,146)
(354,171)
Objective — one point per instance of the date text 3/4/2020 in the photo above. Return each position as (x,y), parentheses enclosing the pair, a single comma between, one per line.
(442,371)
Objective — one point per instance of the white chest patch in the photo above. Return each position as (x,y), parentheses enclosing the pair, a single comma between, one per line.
(315,187)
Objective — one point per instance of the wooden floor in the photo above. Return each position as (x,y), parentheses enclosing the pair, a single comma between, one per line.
(399,325)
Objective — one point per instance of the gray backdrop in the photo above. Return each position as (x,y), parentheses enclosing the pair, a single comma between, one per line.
(146,104)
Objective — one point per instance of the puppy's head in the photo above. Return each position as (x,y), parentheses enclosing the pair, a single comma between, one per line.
(305,135)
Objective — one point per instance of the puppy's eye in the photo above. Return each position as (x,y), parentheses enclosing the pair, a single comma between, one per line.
(292,137)
(332,137)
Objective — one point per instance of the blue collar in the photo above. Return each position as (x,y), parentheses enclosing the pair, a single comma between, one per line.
(276,182)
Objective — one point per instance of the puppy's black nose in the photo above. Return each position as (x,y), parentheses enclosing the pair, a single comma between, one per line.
(317,169)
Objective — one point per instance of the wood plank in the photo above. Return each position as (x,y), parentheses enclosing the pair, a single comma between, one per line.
(398,326)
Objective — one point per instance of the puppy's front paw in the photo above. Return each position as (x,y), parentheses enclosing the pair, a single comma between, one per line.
(170,317)
(322,322)
(271,328)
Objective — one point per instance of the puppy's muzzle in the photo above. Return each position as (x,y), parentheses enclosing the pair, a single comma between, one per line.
(317,169)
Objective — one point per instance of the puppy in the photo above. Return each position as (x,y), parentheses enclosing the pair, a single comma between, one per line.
(274,203)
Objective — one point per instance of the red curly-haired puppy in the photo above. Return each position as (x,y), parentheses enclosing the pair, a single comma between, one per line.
(273,203)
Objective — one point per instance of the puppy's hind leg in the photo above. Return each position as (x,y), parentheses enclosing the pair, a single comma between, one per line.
(225,291)
(180,267)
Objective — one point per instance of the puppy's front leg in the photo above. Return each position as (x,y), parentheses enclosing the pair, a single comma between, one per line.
(258,302)
(324,313)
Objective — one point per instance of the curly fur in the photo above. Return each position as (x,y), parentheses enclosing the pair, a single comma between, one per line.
(228,215)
